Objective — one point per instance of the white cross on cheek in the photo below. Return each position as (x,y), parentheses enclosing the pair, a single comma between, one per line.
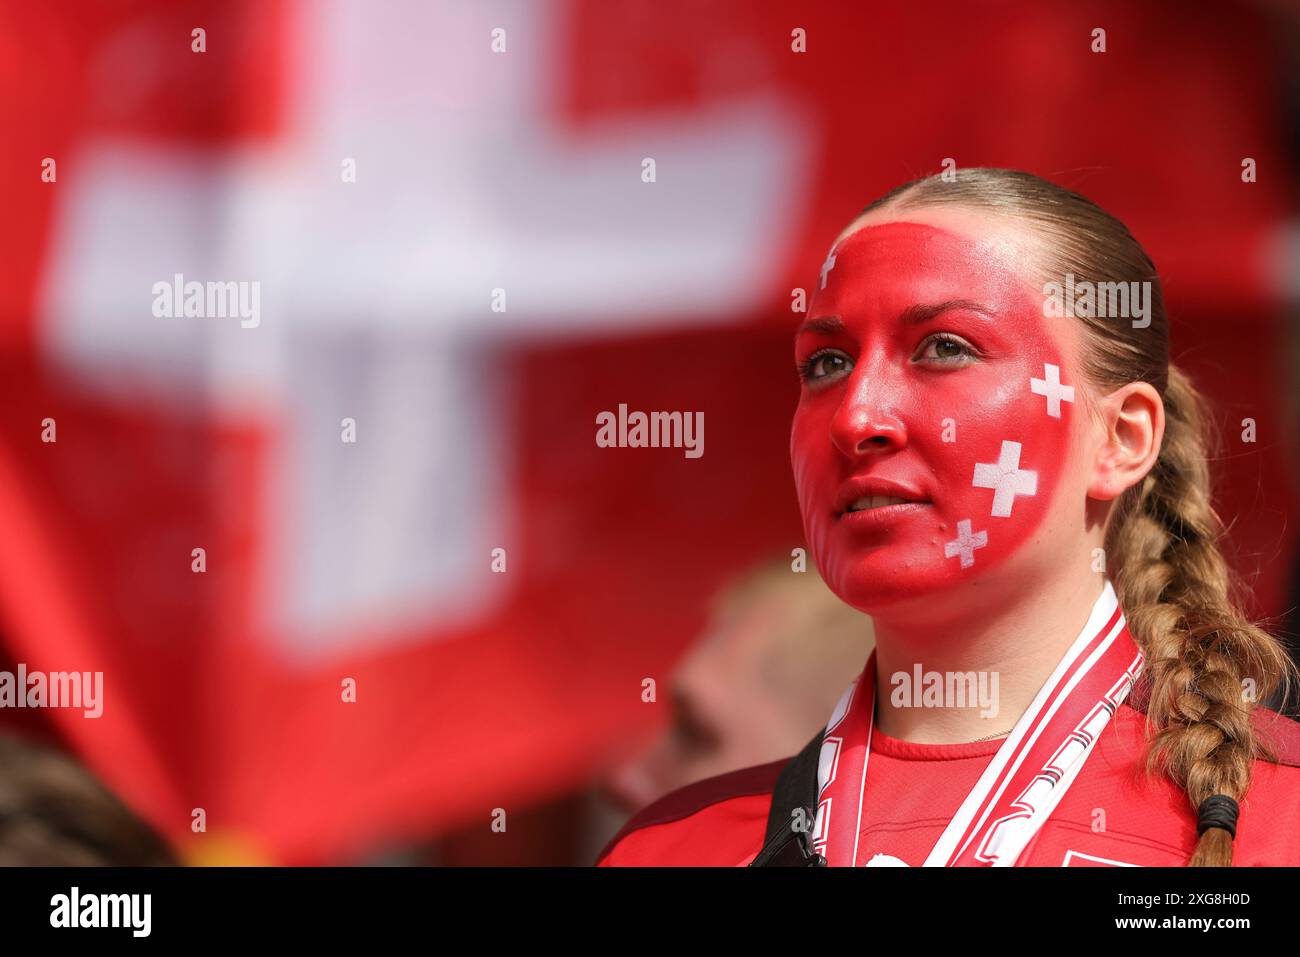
(965,543)
(1006,478)
(827,266)
(1051,387)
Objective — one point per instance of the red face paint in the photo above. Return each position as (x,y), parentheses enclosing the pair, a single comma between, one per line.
(931,374)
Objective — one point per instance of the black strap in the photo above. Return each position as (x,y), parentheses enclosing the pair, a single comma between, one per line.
(788,841)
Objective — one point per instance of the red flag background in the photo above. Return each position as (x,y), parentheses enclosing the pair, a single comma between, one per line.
(517,171)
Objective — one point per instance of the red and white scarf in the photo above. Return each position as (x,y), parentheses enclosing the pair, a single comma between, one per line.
(1026,778)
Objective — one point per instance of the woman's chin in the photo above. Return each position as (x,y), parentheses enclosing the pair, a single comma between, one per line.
(873,597)
(873,587)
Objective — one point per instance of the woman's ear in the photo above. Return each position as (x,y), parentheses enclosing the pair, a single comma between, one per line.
(1132,421)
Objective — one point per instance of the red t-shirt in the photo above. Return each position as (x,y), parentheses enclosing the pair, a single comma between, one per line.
(1111,816)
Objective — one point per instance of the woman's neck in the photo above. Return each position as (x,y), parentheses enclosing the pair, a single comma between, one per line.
(1008,643)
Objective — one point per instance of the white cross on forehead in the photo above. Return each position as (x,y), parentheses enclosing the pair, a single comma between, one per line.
(1050,387)
(828,265)
(1006,478)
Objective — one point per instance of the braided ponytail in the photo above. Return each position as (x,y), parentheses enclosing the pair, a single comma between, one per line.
(1206,664)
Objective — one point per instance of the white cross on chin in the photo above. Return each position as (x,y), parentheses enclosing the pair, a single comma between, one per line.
(1051,387)
(965,543)
(1006,478)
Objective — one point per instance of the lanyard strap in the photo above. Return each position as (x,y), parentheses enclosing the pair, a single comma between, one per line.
(1014,796)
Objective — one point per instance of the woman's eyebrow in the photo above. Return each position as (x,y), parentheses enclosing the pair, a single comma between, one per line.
(911,316)
(822,325)
(922,313)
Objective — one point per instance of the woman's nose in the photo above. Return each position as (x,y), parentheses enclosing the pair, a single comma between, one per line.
(865,424)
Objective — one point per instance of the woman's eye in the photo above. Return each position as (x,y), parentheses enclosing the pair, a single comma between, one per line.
(821,367)
(947,350)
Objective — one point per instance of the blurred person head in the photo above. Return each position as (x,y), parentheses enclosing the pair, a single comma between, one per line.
(54,813)
(765,675)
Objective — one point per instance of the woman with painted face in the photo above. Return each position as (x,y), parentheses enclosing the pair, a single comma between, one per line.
(996,461)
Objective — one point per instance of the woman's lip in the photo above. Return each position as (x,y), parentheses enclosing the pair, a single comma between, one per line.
(882,515)
(861,487)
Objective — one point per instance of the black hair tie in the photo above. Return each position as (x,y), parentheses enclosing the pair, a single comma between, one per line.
(1217,810)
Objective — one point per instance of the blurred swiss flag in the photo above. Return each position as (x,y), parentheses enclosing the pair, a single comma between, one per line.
(520,171)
